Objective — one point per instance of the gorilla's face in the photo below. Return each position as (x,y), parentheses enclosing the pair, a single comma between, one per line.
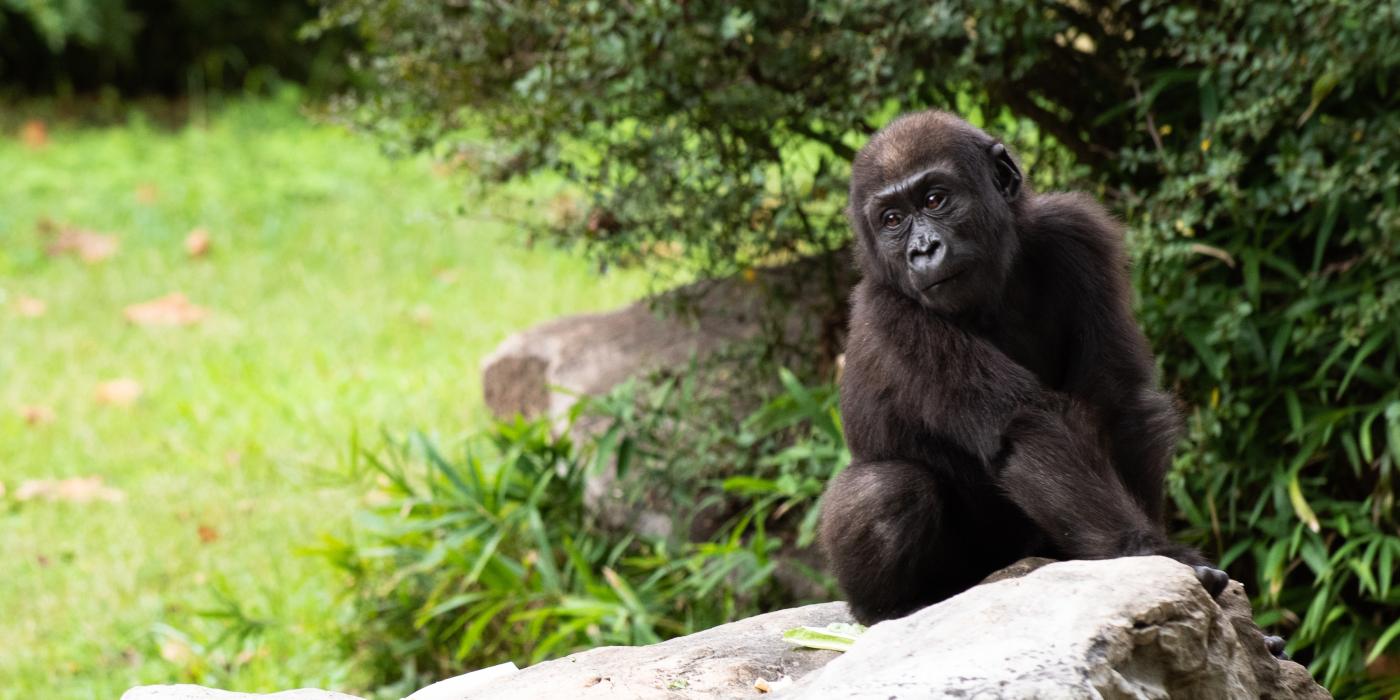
(934,218)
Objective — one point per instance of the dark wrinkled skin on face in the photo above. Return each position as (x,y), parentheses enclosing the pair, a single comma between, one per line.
(998,397)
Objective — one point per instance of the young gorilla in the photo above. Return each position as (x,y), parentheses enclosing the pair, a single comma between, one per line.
(998,397)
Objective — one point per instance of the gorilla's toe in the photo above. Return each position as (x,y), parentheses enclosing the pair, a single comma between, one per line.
(1214,580)
(1275,646)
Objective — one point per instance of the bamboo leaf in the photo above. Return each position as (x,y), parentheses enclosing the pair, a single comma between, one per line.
(1300,504)
(1384,641)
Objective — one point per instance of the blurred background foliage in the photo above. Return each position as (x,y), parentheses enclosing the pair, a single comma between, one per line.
(166,47)
(1251,147)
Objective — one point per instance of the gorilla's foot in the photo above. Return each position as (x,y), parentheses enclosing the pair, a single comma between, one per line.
(1214,580)
(1275,645)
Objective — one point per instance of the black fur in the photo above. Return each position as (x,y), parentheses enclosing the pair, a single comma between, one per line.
(999,398)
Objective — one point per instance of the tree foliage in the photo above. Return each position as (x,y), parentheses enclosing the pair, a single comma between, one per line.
(161,46)
(1250,146)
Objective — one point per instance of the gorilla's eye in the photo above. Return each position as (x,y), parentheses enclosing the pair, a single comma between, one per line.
(935,200)
(892,219)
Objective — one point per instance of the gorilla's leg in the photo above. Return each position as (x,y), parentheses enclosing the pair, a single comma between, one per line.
(884,530)
(1145,433)
(1055,471)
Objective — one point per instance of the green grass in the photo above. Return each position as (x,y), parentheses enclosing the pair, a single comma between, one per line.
(346,296)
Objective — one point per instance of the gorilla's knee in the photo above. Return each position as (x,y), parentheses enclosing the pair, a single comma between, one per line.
(871,511)
(880,533)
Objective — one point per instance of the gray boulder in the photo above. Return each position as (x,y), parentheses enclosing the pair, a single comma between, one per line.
(1138,627)
(799,308)
(199,692)
(722,662)
(543,370)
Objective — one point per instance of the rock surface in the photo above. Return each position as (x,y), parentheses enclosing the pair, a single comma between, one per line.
(723,662)
(199,692)
(798,308)
(542,371)
(1139,627)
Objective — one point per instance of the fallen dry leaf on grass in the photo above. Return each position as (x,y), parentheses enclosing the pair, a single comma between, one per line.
(176,651)
(118,392)
(147,193)
(170,310)
(197,243)
(34,134)
(247,655)
(36,415)
(88,246)
(30,307)
(77,489)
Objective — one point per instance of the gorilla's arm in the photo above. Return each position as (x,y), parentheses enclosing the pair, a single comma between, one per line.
(1048,460)
(1029,439)
(1110,362)
(909,371)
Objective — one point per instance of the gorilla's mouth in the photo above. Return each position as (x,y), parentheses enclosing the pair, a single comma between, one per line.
(941,280)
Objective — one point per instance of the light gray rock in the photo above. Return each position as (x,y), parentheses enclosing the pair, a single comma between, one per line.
(722,662)
(464,685)
(799,308)
(1139,627)
(543,370)
(199,692)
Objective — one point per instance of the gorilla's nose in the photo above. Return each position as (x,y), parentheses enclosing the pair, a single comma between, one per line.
(925,253)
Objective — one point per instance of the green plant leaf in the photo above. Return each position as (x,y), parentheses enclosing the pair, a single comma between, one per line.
(1383,641)
(837,636)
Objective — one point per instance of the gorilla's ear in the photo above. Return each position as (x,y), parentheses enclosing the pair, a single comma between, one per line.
(1008,176)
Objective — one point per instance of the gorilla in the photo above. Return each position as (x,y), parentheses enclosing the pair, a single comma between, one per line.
(998,397)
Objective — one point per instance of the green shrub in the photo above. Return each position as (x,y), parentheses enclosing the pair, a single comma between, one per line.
(163,46)
(1268,235)
(1249,145)
(717,133)
(492,555)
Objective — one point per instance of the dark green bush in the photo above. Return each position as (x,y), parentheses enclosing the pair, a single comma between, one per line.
(1269,270)
(172,47)
(1250,146)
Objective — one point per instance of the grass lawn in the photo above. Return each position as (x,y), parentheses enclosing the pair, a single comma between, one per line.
(344,295)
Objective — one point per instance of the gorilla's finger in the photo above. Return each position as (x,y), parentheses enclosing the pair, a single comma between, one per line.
(1214,580)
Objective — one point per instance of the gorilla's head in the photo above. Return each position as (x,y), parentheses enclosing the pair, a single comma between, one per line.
(933,203)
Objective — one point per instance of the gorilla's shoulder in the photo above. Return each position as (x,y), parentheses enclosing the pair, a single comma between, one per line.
(1074,223)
